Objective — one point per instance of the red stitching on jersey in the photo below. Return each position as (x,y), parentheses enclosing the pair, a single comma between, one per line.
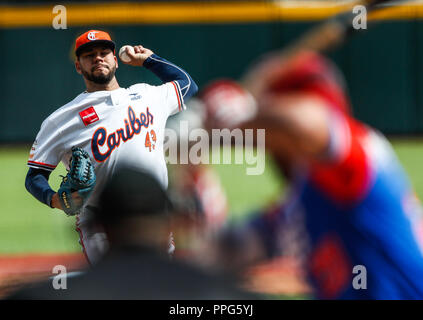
(81,237)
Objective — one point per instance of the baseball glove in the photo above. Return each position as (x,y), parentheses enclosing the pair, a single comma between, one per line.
(81,178)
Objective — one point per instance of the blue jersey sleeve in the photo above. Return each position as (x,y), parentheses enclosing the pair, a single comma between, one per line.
(167,72)
(36,183)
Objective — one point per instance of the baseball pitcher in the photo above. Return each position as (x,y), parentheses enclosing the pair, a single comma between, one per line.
(104,128)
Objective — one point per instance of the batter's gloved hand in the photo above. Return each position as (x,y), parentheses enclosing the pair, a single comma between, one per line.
(80,178)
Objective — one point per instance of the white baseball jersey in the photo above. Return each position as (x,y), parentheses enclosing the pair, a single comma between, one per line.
(119,127)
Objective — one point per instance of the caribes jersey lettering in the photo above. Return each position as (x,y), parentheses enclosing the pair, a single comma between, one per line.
(132,127)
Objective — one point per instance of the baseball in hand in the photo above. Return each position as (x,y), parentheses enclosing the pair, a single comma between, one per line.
(123,55)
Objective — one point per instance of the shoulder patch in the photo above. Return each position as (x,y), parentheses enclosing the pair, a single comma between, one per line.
(89,116)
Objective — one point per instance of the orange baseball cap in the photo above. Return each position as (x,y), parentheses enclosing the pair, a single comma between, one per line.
(91,37)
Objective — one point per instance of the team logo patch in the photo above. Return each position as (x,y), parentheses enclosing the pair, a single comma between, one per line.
(89,116)
(92,36)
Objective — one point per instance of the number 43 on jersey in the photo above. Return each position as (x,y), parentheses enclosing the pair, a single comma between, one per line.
(150,143)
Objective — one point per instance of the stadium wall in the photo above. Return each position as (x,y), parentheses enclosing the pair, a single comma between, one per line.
(382,65)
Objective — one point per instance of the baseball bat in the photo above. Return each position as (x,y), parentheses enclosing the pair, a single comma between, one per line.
(336,30)
(321,38)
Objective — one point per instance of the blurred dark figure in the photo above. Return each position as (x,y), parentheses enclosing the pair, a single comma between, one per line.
(136,214)
(359,225)
(195,188)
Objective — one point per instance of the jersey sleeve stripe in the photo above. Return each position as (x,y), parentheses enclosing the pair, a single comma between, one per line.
(41,165)
(180,95)
(177,95)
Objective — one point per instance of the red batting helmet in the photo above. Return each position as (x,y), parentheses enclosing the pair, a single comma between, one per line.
(309,72)
(227,103)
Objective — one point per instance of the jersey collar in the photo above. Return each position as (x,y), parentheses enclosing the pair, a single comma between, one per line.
(116,95)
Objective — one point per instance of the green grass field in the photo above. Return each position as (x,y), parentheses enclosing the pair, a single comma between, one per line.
(26,225)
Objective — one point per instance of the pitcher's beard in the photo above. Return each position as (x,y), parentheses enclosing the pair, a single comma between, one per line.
(100,79)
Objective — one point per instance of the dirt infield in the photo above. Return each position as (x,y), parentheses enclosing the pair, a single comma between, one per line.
(18,270)
(278,277)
